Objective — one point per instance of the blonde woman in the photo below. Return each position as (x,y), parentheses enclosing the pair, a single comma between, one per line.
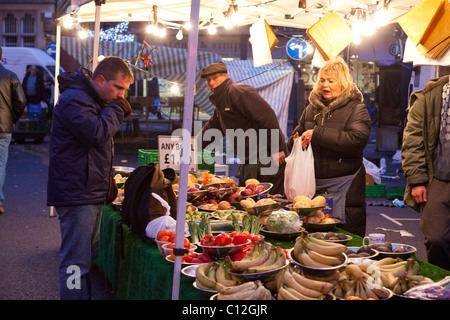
(336,124)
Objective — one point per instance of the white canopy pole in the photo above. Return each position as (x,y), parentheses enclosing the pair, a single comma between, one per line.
(186,142)
(96,34)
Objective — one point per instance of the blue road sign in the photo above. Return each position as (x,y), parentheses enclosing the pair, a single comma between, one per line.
(296,48)
(51,50)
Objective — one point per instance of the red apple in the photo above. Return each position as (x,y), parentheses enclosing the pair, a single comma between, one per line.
(234,197)
(260,189)
(251,186)
(246,192)
(193,189)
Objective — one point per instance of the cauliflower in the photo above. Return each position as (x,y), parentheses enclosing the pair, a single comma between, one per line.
(283,221)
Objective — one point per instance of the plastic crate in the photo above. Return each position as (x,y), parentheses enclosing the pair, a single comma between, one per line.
(149,156)
(375,190)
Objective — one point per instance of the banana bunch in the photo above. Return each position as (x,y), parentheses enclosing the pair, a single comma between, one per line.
(294,286)
(353,282)
(262,258)
(253,290)
(317,253)
(397,274)
(214,276)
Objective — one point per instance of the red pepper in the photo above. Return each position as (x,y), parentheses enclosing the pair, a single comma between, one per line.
(207,240)
(222,239)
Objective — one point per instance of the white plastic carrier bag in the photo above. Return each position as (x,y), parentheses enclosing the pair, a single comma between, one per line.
(299,177)
(163,222)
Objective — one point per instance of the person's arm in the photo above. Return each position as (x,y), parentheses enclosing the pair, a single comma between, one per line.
(18,99)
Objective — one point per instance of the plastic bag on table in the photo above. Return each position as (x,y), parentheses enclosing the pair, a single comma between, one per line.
(299,176)
(164,222)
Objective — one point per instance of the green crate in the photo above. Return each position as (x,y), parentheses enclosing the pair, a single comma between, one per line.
(375,190)
(148,156)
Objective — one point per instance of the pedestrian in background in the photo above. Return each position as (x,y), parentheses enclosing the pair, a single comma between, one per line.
(337,125)
(240,106)
(49,95)
(426,164)
(12,106)
(33,85)
(90,110)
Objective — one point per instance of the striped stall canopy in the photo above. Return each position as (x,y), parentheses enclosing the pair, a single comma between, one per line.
(273,81)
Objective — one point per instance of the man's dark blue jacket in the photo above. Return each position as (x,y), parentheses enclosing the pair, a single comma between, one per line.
(81,143)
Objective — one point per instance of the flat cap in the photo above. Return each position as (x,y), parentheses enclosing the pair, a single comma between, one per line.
(216,67)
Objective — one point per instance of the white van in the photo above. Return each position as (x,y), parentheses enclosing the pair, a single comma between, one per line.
(19,60)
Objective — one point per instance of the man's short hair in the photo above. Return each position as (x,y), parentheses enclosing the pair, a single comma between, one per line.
(111,67)
(216,67)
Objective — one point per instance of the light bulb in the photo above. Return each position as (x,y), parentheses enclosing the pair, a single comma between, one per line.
(175,88)
(151,28)
(381,17)
(83,34)
(228,24)
(179,35)
(212,28)
(188,25)
(162,32)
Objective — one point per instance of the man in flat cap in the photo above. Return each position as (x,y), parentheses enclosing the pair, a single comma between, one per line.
(250,124)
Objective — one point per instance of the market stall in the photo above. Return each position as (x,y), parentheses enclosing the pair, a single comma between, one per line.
(143,273)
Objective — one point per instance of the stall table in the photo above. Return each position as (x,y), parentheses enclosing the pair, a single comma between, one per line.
(137,270)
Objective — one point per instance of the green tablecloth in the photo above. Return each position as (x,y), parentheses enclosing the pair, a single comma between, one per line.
(143,273)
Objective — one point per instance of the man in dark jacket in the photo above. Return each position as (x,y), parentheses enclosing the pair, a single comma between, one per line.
(89,112)
(250,124)
(12,105)
(34,88)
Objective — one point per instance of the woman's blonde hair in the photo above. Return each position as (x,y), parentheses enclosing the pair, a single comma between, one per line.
(338,69)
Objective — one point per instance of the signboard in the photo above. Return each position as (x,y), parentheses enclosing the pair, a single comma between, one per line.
(296,48)
(169,148)
(51,50)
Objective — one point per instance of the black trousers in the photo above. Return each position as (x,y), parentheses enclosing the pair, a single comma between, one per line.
(435,224)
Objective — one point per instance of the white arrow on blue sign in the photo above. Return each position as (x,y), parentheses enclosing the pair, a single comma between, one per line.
(296,48)
(51,50)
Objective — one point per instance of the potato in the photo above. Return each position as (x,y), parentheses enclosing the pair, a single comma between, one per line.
(318,201)
(327,220)
(302,198)
(265,201)
(302,204)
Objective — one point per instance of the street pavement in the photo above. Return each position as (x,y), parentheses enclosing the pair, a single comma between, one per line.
(30,238)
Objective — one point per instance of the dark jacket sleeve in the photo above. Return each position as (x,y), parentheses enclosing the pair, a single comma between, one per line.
(18,100)
(213,123)
(256,108)
(300,128)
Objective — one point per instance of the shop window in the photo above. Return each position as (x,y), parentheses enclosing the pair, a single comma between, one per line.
(28,25)
(11,41)
(28,42)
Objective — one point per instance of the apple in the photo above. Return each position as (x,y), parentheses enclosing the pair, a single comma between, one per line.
(251,186)
(193,189)
(246,192)
(260,189)
(234,197)
(224,205)
(212,201)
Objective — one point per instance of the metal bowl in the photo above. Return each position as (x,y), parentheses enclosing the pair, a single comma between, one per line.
(373,253)
(123,170)
(267,187)
(221,185)
(189,271)
(321,226)
(304,211)
(258,276)
(294,260)
(262,210)
(216,252)
(286,236)
(409,251)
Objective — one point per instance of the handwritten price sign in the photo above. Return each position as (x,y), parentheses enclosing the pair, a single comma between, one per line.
(170,153)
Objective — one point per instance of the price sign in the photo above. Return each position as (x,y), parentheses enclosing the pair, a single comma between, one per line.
(170,153)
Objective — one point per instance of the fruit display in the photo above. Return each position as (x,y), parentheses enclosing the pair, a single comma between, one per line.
(394,249)
(319,217)
(293,285)
(252,189)
(318,254)
(214,276)
(263,257)
(330,236)
(306,202)
(252,290)
(361,252)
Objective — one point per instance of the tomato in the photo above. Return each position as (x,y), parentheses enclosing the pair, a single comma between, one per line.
(239,239)
(241,253)
(234,233)
(247,234)
(162,233)
(170,245)
(222,239)
(207,240)
(164,239)
(172,236)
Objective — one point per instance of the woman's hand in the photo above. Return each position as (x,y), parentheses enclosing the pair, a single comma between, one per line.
(295,137)
(306,138)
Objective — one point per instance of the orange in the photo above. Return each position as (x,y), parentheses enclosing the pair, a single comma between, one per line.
(162,233)
(164,239)
(187,243)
